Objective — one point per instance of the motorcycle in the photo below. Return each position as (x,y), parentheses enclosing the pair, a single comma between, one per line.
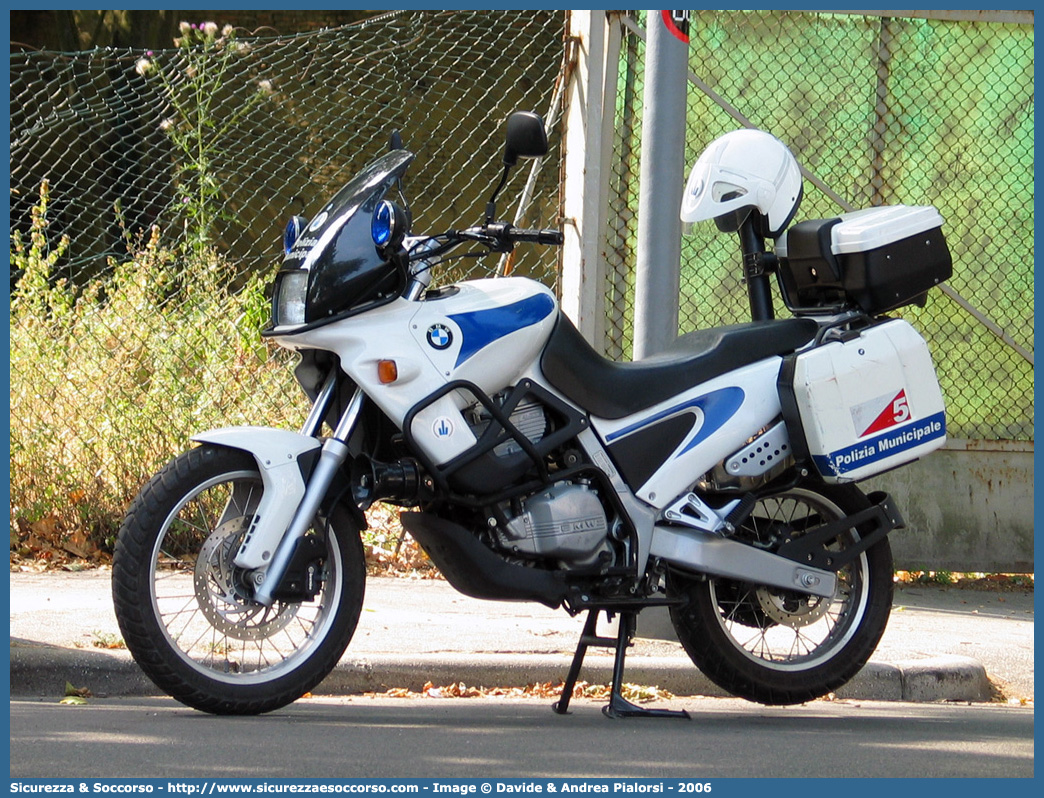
(717,479)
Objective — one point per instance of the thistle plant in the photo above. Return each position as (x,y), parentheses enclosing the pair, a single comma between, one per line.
(197,86)
(34,261)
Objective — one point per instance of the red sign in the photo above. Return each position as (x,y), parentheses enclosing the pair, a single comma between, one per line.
(677,23)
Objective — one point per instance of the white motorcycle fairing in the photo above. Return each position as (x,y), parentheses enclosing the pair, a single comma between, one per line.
(278,454)
(724,413)
(485,332)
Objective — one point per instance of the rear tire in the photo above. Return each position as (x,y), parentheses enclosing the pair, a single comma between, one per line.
(185,611)
(782,647)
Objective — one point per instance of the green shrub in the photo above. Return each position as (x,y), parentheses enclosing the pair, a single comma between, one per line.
(108,381)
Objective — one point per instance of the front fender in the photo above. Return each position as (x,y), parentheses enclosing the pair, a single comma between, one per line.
(278,454)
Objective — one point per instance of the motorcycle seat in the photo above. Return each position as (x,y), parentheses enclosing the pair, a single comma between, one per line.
(609,389)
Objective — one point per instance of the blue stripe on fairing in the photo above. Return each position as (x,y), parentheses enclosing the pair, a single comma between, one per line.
(717,406)
(480,328)
(892,442)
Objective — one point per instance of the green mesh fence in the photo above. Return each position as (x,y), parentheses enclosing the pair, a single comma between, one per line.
(149,191)
(882,111)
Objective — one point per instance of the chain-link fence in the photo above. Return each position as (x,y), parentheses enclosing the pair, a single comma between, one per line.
(227,136)
(878,110)
(149,191)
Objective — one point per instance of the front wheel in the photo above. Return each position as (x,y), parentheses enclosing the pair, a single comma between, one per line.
(778,646)
(185,609)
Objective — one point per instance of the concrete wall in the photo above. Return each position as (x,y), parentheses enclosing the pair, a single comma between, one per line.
(968,507)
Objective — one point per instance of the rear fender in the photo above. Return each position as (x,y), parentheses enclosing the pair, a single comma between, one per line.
(283,459)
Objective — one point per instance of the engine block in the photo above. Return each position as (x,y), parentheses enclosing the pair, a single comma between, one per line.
(565,522)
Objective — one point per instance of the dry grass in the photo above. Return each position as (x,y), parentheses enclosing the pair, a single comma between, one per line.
(109,380)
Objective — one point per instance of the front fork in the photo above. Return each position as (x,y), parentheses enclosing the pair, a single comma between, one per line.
(270,526)
(332,456)
(289,504)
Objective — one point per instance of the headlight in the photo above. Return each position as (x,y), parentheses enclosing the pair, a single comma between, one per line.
(389,225)
(291,291)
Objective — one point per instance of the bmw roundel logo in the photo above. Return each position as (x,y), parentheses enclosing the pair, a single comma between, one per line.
(439,336)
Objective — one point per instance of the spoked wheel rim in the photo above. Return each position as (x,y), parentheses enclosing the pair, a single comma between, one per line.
(786,630)
(202,601)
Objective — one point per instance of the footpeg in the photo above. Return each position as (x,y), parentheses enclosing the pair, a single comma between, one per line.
(691,511)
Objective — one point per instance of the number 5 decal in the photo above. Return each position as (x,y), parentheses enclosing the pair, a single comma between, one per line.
(895,412)
(900,409)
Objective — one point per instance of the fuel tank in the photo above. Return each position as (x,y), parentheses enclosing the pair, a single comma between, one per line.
(485,331)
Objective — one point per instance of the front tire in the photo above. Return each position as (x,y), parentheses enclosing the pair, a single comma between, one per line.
(185,610)
(777,646)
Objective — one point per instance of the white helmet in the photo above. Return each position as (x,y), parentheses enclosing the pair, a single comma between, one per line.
(744,168)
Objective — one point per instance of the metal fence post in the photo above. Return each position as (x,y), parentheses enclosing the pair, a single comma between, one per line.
(662,177)
(588,143)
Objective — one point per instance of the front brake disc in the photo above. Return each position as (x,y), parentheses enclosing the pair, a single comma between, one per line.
(222,595)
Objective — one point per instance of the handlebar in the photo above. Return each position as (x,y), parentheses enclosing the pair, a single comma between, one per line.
(498,237)
(552,237)
(502,236)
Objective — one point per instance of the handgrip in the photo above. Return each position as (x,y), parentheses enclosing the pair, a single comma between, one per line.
(547,236)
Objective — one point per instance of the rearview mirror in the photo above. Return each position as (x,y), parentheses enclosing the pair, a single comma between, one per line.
(526,137)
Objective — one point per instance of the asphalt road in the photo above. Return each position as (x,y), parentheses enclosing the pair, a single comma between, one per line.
(364,737)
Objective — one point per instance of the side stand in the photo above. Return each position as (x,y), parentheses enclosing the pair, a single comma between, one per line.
(618,706)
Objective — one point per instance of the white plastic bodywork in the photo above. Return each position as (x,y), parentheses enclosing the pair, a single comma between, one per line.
(726,412)
(277,452)
(488,333)
(870,403)
(873,228)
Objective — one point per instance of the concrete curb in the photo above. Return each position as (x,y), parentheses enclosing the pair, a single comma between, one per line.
(511,670)
(40,670)
(958,678)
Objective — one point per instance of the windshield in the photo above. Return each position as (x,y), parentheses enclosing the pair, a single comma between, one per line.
(362,192)
(345,271)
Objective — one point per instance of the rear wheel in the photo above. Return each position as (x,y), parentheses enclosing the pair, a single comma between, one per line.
(777,646)
(186,610)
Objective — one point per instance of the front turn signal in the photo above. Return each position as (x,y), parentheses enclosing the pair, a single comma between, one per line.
(387,371)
